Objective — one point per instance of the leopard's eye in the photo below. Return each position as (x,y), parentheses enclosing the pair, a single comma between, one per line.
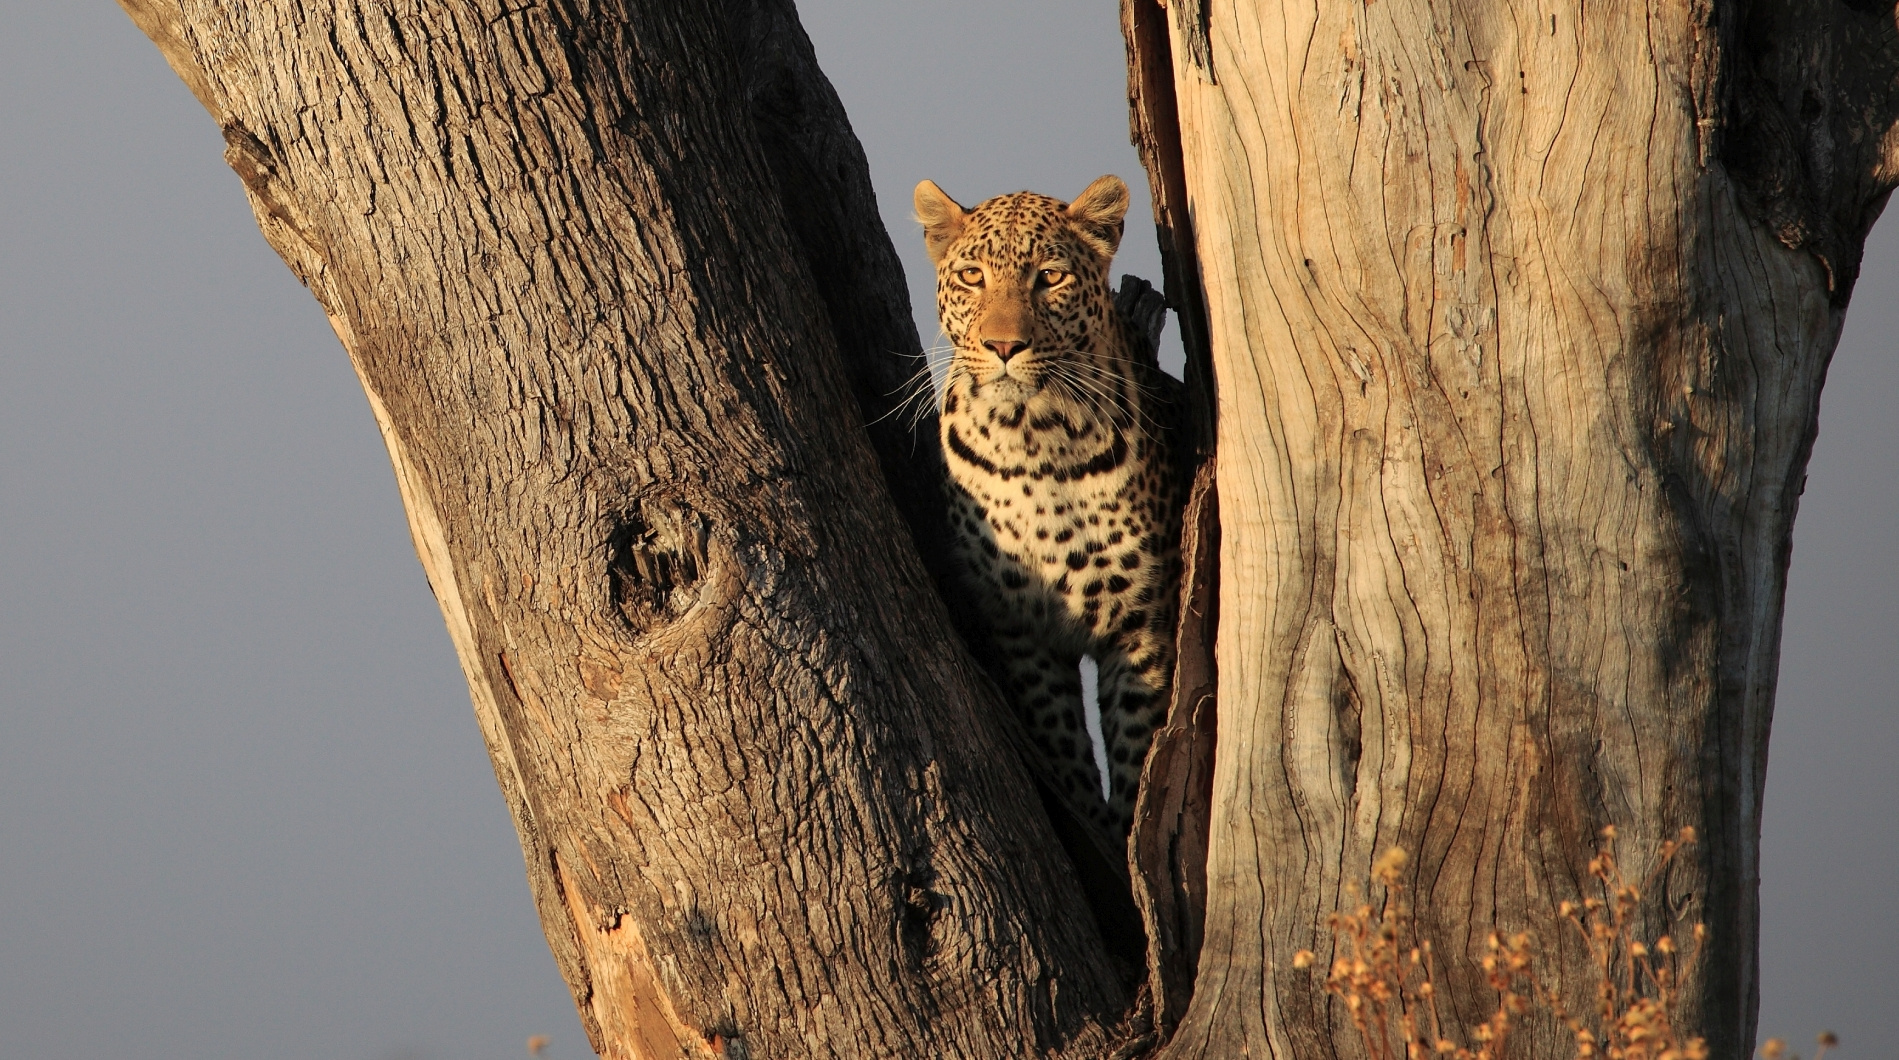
(971,276)
(1052,277)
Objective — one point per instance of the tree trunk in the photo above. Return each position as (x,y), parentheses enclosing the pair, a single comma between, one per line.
(1518,323)
(594,264)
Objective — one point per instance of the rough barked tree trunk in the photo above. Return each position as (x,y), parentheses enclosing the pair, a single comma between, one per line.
(1518,314)
(594,263)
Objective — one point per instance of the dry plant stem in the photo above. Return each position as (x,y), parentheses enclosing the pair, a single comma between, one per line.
(1385,977)
(1640,1007)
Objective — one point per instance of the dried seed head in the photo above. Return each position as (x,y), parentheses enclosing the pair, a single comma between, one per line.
(1303,959)
(1608,831)
(1774,1049)
(1389,865)
(1829,1039)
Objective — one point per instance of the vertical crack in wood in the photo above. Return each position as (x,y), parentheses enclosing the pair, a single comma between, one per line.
(1168,847)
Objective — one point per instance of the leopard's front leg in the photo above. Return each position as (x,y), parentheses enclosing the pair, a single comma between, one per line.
(1045,686)
(1135,684)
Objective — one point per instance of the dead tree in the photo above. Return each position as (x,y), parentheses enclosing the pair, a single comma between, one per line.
(1519,315)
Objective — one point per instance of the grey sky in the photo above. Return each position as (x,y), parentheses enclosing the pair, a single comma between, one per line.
(244,808)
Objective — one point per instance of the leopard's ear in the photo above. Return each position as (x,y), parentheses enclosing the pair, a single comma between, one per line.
(1100,210)
(941,216)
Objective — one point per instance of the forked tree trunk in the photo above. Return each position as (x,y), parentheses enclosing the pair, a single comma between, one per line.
(1518,315)
(1517,319)
(592,263)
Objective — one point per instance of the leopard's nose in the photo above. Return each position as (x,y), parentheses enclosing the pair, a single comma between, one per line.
(1005,348)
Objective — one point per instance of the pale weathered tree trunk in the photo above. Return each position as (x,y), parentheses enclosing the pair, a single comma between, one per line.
(592,262)
(1518,315)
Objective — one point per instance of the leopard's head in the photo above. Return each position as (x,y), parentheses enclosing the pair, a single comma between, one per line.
(1022,289)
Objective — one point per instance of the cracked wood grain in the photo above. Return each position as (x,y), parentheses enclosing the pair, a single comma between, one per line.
(1518,318)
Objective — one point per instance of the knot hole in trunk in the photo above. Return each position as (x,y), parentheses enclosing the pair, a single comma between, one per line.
(656,560)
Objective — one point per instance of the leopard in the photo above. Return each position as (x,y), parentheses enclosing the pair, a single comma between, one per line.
(1064,484)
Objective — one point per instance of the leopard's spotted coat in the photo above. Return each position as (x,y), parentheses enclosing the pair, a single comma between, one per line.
(1065,501)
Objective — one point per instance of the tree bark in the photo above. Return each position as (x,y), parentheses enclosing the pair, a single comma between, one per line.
(1518,317)
(594,264)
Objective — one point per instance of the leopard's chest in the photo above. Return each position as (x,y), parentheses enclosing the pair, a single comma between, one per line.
(1060,531)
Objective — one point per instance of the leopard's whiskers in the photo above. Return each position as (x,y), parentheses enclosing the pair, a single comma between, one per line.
(1128,378)
(1090,396)
(1126,412)
(919,392)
